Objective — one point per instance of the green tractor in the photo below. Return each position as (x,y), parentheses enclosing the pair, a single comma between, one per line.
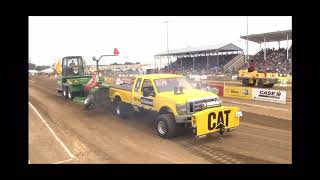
(72,79)
(86,90)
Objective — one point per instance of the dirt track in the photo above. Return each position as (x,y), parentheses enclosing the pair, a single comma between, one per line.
(99,137)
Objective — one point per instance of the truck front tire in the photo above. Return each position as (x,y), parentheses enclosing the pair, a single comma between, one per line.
(166,126)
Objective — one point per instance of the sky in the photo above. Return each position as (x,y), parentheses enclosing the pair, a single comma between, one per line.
(139,38)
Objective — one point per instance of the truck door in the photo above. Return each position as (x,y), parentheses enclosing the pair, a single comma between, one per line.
(147,93)
(136,93)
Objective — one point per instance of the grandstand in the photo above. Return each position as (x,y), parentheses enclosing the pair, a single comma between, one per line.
(203,59)
(273,60)
(228,58)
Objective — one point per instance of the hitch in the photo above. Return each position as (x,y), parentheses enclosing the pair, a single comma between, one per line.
(222,130)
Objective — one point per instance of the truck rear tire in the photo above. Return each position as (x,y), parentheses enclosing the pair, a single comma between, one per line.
(121,109)
(166,126)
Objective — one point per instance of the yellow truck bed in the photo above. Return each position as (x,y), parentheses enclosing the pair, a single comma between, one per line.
(121,91)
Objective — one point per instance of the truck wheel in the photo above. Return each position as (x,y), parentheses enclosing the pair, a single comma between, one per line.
(245,82)
(166,126)
(121,109)
(115,105)
(260,83)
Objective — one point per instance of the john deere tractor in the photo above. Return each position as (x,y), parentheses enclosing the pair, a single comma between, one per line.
(71,80)
(264,79)
(86,90)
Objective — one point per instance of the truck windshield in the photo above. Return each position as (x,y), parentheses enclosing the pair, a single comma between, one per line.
(168,84)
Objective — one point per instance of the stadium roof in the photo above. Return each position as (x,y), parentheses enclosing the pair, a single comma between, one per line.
(201,50)
(270,36)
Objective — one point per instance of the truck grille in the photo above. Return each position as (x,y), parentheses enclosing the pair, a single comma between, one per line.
(201,104)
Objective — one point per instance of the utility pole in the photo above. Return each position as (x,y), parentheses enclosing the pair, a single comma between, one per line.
(167,44)
(247,41)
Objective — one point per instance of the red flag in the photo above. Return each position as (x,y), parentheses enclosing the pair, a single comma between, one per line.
(115,51)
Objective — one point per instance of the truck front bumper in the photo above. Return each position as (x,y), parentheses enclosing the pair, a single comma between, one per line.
(183,118)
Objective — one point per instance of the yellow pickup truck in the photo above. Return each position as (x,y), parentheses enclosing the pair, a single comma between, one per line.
(175,103)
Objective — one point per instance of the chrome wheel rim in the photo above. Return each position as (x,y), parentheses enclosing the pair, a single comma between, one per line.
(118,110)
(161,127)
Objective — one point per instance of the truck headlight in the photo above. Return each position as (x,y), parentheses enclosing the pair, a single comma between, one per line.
(181,109)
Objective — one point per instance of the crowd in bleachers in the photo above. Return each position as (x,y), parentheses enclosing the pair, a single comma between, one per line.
(200,65)
(276,61)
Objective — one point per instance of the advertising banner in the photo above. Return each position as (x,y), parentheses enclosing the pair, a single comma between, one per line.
(269,95)
(238,92)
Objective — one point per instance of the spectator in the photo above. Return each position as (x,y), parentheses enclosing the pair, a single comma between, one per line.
(252,66)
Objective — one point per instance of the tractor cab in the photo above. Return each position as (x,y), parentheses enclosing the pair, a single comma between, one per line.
(72,66)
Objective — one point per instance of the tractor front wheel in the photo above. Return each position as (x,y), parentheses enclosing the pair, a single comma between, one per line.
(70,95)
(65,93)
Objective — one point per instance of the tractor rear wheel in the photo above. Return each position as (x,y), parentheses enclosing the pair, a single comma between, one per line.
(245,82)
(260,83)
(269,85)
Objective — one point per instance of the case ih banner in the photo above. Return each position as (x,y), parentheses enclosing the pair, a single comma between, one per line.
(269,95)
